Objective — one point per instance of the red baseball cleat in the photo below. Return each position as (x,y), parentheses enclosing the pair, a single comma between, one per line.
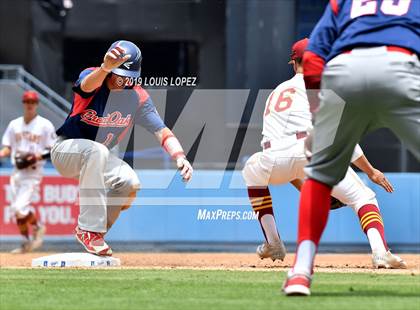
(93,242)
(297,284)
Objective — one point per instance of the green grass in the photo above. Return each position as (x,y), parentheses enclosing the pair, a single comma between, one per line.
(192,289)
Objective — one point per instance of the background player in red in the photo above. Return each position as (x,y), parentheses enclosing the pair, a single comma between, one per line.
(27,140)
(96,123)
(371,79)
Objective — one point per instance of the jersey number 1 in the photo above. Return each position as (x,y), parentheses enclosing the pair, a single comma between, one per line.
(283,102)
(388,7)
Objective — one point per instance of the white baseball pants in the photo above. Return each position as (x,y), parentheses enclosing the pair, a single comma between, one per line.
(280,166)
(106,182)
(23,185)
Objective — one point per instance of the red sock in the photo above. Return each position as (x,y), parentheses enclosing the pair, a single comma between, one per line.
(23,226)
(261,203)
(370,217)
(313,210)
(31,219)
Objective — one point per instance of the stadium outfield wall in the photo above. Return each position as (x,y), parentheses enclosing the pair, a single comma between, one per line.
(213,208)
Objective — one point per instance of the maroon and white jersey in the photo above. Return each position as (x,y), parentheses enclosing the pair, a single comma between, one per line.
(34,137)
(287,110)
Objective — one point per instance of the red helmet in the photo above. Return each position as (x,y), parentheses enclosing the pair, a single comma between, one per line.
(30,95)
(298,49)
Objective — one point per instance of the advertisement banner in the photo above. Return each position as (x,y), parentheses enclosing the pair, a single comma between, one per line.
(55,202)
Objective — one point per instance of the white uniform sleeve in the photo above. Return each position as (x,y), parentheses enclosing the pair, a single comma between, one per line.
(357,153)
(7,136)
(50,136)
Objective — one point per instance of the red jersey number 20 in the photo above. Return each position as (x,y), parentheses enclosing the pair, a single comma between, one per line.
(284,101)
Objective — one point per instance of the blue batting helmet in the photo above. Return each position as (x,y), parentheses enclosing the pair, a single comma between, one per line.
(132,66)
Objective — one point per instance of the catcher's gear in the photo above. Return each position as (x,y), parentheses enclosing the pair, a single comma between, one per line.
(131,67)
(25,160)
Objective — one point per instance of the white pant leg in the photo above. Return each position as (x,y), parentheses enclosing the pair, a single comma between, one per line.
(86,160)
(271,167)
(122,183)
(120,180)
(289,164)
(257,170)
(353,192)
(23,187)
(275,166)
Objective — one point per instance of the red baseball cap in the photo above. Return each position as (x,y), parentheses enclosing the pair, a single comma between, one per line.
(298,49)
(30,95)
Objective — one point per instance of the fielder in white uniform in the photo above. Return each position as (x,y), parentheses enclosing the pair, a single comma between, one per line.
(32,134)
(287,118)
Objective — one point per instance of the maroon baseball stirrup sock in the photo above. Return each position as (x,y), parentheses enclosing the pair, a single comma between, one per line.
(32,220)
(261,203)
(370,217)
(23,226)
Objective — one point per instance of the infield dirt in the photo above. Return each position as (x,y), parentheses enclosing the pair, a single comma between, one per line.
(229,261)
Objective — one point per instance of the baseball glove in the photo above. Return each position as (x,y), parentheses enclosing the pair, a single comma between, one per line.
(24,160)
(336,204)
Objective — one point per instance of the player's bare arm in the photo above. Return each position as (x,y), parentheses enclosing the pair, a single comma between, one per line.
(112,59)
(5,151)
(172,145)
(374,174)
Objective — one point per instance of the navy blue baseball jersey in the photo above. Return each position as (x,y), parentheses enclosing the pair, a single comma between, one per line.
(360,23)
(104,116)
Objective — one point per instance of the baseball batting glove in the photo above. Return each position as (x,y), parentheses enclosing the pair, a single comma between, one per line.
(185,167)
(25,160)
(114,58)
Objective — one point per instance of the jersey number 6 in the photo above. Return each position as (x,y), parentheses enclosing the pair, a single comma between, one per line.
(284,101)
(388,7)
